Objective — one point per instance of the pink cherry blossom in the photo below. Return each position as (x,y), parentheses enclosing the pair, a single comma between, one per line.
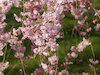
(53,60)
(83,44)
(44,66)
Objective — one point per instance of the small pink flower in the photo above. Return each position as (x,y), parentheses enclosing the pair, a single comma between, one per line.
(84,73)
(74,55)
(44,66)
(53,60)
(89,29)
(97,27)
(94,21)
(3,66)
(94,61)
(83,45)
(1,53)
(17,18)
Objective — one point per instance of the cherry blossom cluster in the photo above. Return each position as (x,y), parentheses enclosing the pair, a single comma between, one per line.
(41,23)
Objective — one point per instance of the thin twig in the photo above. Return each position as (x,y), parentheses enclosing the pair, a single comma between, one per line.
(93,57)
(23,66)
(4,57)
